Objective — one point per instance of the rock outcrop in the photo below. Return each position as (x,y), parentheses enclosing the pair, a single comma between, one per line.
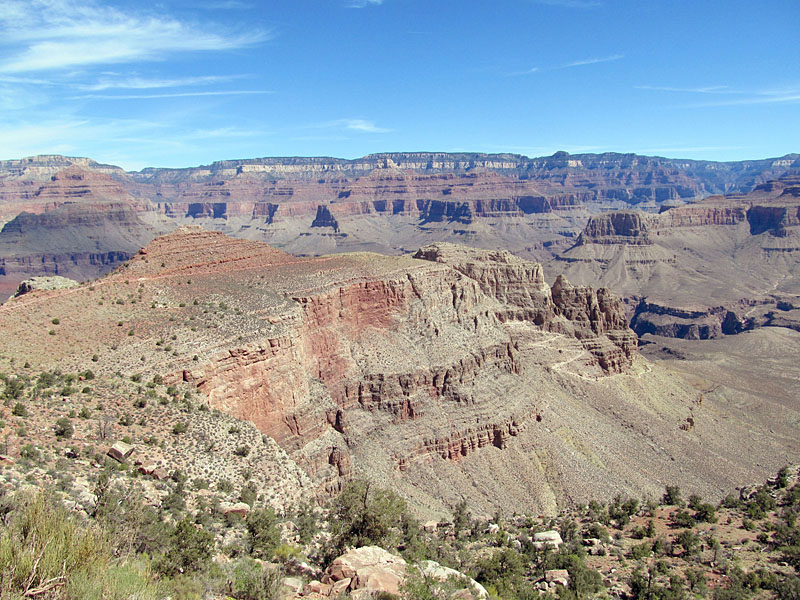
(618,227)
(592,316)
(45,283)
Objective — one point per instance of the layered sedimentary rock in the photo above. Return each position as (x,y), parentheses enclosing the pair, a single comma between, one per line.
(459,374)
(76,240)
(699,271)
(617,227)
(392,203)
(519,285)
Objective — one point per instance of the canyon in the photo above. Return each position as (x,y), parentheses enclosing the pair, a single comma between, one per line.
(510,331)
(456,373)
(387,203)
(719,266)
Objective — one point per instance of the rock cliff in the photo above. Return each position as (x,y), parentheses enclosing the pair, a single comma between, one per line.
(698,271)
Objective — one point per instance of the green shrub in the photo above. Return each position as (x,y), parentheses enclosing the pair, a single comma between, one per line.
(19,410)
(242,450)
(254,581)
(43,548)
(672,496)
(263,535)
(116,582)
(363,515)
(683,519)
(640,551)
(63,428)
(189,549)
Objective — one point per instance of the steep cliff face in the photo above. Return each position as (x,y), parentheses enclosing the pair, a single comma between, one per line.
(593,316)
(356,342)
(616,227)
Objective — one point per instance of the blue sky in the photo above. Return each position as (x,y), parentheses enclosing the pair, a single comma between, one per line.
(180,83)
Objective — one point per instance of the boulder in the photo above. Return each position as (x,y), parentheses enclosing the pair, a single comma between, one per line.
(234,508)
(370,570)
(433,570)
(148,468)
(557,576)
(50,282)
(159,474)
(430,526)
(120,451)
(317,587)
(340,587)
(547,539)
(293,585)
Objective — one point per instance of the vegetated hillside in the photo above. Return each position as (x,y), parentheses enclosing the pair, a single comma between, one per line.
(389,203)
(720,266)
(80,526)
(456,375)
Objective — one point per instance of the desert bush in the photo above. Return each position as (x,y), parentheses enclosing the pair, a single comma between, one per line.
(253,581)
(13,388)
(363,515)
(672,496)
(43,548)
(263,535)
(116,582)
(242,450)
(63,428)
(189,549)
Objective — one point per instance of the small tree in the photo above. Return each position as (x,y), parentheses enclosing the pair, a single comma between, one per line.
(263,535)
(461,518)
(189,549)
(672,496)
(63,428)
(363,515)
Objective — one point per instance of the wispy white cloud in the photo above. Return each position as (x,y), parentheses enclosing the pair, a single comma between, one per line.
(142,83)
(788,98)
(363,125)
(570,65)
(170,95)
(356,125)
(364,3)
(47,35)
(591,61)
(711,89)
(122,142)
(786,95)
